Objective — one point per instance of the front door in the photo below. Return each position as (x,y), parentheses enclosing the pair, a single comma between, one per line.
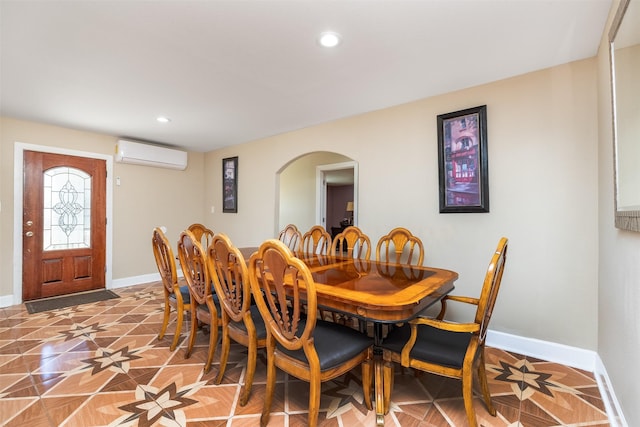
(63,225)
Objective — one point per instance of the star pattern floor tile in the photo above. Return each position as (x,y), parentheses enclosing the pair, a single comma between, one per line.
(101,364)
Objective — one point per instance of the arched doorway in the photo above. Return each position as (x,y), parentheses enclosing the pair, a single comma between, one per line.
(311,187)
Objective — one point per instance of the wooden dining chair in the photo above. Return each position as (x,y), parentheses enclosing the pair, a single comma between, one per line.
(356,243)
(400,246)
(241,321)
(204,303)
(351,243)
(202,234)
(176,292)
(316,241)
(297,342)
(291,237)
(446,348)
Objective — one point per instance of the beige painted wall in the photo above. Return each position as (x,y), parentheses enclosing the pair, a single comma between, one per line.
(619,267)
(542,141)
(147,197)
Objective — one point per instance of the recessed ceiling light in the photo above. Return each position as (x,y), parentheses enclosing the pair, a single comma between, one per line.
(329,39)
(163,119)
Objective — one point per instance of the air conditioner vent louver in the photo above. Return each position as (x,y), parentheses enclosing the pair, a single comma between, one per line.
(137,153)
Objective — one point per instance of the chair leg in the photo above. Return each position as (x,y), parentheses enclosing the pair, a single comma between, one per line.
(271,384)
(367,367)
(224,354)
(467,394)
(251,370)
(484,385)
(165,320)
(314,400)
(194,329)
(176,335)
(213,343)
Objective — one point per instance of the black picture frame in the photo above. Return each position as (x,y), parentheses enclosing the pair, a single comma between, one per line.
(463,164)
(230,185)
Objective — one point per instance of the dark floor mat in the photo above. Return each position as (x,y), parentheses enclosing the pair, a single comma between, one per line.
(69,300)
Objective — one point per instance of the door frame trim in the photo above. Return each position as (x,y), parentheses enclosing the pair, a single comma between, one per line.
(18,185)
(321,189)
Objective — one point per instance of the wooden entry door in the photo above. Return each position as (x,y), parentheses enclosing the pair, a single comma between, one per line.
(63,225)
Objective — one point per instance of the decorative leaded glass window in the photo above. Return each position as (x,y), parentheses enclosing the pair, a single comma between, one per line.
(67,209)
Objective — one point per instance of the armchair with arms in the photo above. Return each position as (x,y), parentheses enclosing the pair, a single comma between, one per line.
(446,348)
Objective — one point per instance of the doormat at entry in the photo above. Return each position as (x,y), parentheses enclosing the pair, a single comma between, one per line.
(69,300)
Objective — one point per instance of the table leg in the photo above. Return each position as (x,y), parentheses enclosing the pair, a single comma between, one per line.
(379,387)
(378,365)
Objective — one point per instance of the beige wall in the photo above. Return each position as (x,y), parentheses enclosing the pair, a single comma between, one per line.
(147,197)
(542,141)
(619,268)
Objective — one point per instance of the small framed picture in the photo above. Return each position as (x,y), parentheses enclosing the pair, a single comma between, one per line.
(230,185)
(462,161)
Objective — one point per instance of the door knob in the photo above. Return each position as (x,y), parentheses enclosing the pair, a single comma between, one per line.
(29,233)
(29,223)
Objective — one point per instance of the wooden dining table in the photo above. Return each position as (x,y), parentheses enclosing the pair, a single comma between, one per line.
(378,292)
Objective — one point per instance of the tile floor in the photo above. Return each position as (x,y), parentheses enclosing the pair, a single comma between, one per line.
(101,364)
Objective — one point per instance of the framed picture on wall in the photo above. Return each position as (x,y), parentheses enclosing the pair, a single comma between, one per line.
(462,161)
(230,185)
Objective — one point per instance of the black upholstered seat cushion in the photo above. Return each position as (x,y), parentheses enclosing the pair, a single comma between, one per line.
(334,343)
(186,297)
(261,329)
(216,302)
(433,345)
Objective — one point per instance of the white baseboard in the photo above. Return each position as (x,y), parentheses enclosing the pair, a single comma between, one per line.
(9,300)
(6,301)
(614,411)
(575,357)
(134,280)
(545,350)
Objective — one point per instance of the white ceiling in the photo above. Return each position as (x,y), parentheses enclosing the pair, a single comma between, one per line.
(227,72)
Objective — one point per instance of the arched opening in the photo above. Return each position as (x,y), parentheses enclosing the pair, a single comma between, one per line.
(316,188)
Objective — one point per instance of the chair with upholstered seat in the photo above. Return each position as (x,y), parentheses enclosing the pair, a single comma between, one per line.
(291,237)
(400,246)
(176,292)
(316,241)
(356,243)
(202,234)
(204,302)
(297,342)
(351,243)
(447,348)
(241,321)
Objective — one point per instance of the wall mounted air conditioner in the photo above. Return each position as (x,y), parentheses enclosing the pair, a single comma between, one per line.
(137,153)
